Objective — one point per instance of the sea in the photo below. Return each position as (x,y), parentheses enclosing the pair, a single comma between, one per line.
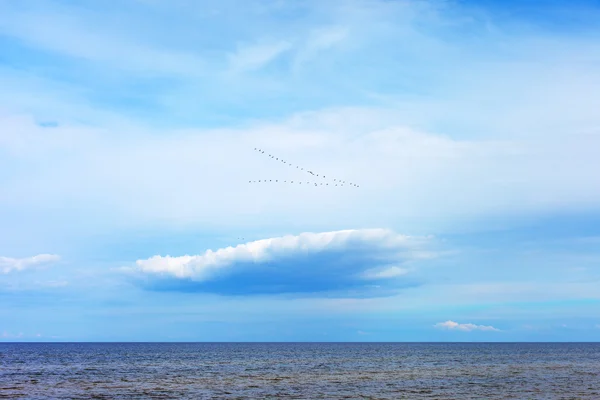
(300,370)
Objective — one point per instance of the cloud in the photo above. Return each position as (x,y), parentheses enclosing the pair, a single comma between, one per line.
(67,31)
(8,264)
(380,111)
(318,41)
(402,171)
(384,272)
(8,335)
(348,260)
(53,283)
(456,133)
(451,325)
(250,57)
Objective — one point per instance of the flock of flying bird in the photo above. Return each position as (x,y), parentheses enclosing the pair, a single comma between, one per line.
(336,182)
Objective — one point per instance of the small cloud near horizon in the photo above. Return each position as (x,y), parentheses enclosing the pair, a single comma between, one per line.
(451,325)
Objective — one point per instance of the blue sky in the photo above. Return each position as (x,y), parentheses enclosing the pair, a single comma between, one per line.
(127,147)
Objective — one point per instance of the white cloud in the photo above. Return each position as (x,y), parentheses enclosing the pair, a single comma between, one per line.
(325,38)
(362,263)
(318,41)
(403,173)
(451,325)
(8,335)
(203,267)
(52,283)
(384,272)
(456,133)
(11,336)
(249,57)
(8,264)
(67,34)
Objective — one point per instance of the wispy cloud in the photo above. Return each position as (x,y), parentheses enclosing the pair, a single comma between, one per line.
(8,335)
(317,41)
(384,272)
(451,325)
(8,264)
(250,57)
(77,32)
(52,283)
(404,170)
(309,262)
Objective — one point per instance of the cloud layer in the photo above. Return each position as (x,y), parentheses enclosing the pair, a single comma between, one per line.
(409,131)
(451,325)
(310,262)
(8,264)
(402,172)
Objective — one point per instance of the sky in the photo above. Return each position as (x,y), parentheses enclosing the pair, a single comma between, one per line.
(465,134)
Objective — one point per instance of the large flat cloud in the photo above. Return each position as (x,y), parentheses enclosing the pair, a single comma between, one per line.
(374,261)
(8,264)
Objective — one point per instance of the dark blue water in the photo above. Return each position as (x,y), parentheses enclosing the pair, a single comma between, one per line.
(300,371)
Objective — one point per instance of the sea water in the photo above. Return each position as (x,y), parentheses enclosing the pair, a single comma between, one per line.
(300,370)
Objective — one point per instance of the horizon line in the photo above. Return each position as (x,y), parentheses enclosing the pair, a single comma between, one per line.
(297,342)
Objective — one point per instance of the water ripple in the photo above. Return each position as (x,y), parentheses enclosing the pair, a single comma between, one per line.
(299,371)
